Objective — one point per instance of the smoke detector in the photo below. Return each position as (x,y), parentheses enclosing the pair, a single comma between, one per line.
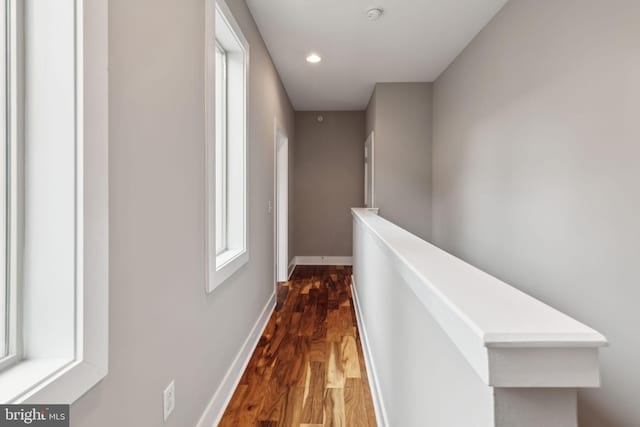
(374,14)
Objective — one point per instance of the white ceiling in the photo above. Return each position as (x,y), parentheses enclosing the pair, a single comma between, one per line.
(414,41)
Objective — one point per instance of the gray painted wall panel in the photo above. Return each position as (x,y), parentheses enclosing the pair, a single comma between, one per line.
(329,180)
(536,149)
(162,325)
(400,115)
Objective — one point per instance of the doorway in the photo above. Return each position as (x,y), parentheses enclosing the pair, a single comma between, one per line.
(282,204)
(369,165)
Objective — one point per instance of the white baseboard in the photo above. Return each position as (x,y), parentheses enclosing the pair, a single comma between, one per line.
(374,385)
(292,266)
(218,403)
(323,260)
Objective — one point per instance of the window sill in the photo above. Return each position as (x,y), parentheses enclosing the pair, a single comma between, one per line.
(227,263)
(59,380)
(27,376)
(8,361)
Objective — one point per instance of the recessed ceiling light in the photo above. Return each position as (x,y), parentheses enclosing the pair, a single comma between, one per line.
(314,58)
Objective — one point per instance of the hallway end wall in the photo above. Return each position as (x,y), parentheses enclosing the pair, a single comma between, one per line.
(328,182)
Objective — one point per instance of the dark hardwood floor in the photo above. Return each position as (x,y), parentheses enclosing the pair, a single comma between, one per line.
(308,368)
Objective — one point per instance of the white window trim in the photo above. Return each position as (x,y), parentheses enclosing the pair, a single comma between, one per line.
(222,165)
(221,267)
(13,184)
(63,381)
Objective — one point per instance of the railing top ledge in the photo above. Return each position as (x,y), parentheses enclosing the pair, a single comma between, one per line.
(475,308)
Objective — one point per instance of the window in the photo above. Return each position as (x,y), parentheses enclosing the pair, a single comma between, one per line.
(53,199)
(227,94)
(4,287)
(10,99)
(221,150)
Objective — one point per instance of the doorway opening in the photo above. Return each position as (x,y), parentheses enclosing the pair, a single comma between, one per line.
(282,204)
(369,171)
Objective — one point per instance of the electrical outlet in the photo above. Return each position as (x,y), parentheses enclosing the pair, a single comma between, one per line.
(169,399)
(269,207)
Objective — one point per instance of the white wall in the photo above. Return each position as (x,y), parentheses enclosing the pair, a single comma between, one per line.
(424,379)
(162,325)
(536,148)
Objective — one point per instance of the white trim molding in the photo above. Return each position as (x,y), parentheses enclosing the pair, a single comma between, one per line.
(374,384)
(370,162)
(222,28)
(221,398)
(280,223)
(291,268)
(322,260)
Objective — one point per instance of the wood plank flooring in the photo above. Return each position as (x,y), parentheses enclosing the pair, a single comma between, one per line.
(308,368)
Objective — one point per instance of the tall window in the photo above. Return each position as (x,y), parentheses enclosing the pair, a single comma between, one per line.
(9,102)
(4,288)
(226,146)
(53,199)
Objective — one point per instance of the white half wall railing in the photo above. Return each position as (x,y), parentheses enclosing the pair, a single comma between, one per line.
(449,345)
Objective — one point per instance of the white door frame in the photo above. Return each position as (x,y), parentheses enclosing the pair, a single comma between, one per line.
(369,162)
(281,198)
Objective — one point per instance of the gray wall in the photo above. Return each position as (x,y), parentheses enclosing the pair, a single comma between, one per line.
(371,113)
(536,176)
(400,116)
(162,325)
(329,180)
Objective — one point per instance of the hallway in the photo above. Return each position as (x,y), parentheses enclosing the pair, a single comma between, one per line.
(390,213)
(308,368)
